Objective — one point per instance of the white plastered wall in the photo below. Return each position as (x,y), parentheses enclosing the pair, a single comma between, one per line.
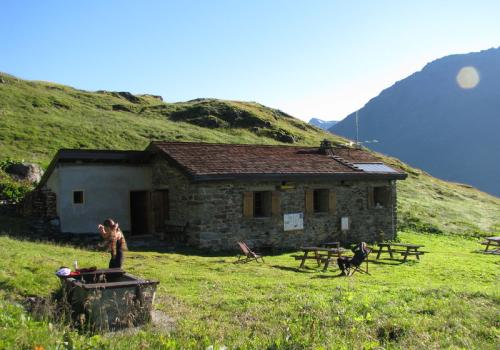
(106,189)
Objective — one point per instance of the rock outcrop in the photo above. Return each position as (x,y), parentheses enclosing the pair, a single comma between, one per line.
(30,172)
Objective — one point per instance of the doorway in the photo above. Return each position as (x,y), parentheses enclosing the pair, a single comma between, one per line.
(139,210)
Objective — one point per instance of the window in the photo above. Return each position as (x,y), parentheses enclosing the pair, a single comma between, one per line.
(380,197)
(320,200)
(77,197)
(261,204)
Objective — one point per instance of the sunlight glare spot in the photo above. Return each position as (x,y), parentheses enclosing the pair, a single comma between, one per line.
(468,77)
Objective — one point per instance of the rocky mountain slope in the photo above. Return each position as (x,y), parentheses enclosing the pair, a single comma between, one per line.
(322,124)
(444,119)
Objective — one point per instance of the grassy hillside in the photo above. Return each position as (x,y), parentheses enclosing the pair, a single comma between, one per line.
(38,118)
(428,204)
(448,300)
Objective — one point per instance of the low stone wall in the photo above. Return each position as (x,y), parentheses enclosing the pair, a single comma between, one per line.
(40,207)
(40,203)
(7,208)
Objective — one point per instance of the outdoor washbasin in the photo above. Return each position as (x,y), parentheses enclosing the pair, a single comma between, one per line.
(109,299)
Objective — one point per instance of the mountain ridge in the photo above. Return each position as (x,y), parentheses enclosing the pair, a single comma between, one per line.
(427,120)
(322,124)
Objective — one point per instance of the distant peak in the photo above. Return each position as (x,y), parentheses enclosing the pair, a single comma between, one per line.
(322,124)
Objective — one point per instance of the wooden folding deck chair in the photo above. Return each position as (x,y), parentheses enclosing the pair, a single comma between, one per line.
(351,269)
(247,254)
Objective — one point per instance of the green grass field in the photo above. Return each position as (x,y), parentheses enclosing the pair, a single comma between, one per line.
(448,300)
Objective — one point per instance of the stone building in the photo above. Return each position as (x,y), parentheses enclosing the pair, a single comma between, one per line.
(212,195)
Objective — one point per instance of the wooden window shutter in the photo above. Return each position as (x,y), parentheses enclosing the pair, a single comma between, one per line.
(275,203)
(332,202)
(309,201)
(370,198)
(247,204)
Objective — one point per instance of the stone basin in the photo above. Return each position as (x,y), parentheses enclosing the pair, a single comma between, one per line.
(109,299)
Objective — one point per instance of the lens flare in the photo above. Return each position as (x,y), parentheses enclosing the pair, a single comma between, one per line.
(468,77)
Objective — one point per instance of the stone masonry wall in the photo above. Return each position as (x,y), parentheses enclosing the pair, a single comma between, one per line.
(182,195)
(40,203)
(214,211)
(221,222)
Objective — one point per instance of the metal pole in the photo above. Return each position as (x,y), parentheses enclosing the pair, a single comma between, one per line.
(357,130)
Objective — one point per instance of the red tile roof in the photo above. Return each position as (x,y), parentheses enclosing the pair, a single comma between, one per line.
(211,161)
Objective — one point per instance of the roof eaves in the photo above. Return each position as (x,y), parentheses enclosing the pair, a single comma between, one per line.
(68,155)
(295,176)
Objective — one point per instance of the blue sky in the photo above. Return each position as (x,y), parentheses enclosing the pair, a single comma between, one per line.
(309,58)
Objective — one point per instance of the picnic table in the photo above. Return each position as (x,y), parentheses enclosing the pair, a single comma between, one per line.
(330,244)
(320,254)
(491,241)
(408,249)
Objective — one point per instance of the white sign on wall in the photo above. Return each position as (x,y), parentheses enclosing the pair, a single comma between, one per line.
(344,223)
(293,221)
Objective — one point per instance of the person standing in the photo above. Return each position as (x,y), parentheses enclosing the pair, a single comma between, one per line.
(114,241)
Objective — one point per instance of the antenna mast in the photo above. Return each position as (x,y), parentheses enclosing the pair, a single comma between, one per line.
(357,129)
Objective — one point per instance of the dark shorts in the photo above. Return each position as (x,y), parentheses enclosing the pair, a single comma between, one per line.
(117,260)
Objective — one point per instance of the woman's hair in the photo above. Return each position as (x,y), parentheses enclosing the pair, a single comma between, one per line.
(112,229)
(108,223)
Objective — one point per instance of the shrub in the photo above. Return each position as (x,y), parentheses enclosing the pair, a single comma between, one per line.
(11,190)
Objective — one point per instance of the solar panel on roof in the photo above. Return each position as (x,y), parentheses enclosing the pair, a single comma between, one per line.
(375,168)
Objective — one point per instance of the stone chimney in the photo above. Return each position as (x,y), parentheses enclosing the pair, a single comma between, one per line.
(326,147)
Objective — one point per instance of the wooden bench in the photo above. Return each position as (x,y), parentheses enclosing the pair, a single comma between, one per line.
(405,249)
(302,257)
(405,254)
(320,255)
(312,258)
(321,258)
(491,242)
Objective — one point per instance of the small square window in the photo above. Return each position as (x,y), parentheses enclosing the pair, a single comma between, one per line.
(77,197)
